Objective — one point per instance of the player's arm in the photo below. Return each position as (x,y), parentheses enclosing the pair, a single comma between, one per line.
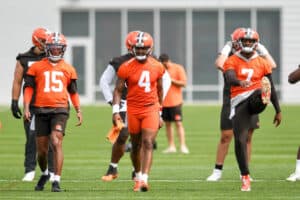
(232,79)
(294,76)
(160,90)
(223,55)
(16,90)
(74,96)
(105,81)
(117,94)
(29,85)
(275,102)
(263,52)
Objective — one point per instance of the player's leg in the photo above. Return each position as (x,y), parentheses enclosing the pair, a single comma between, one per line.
(241,126)
(150,125)
(58,125)
(296,175)
(30,153)
(117,153)
(42,124)
(224,143)
(167,117)
(177,117)
(134,129)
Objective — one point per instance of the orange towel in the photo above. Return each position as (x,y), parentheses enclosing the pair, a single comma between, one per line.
(114,132)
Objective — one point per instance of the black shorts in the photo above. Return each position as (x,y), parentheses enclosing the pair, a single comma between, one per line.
(46,123)
(172,114)
(226,123)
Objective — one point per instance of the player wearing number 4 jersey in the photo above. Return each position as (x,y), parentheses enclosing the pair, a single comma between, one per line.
(143,77)
(54,82)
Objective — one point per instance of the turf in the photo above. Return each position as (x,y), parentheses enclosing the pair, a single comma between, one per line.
(173,176)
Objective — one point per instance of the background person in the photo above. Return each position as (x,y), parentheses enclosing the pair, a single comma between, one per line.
(293,78)
(172,105)
(24,61)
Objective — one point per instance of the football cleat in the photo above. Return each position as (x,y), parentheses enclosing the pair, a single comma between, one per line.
(29,176)
(137,185)
(170,150)
(144,187)
(55,187)
(41,183)
(246,184)
(111,174)
(293,177)
(215,176)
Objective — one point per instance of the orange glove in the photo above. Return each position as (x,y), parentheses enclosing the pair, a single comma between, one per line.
(114,132)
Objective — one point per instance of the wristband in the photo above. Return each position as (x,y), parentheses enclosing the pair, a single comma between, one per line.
(115,108)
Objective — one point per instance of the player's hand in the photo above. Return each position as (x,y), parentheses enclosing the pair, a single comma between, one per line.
(27,114)
(116,117)
(79,117)
(161,122)
(245,84)
(277,119)
(15,109)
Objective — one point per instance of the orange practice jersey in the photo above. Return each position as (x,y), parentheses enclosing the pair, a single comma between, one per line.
(174,95)
(51,83)
(141,80)
(252,70)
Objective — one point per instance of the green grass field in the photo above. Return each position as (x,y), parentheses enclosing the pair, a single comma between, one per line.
(175,176)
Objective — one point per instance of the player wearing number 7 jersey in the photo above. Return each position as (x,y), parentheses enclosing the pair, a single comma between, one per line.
(143,77)
(53,81)
(252,88)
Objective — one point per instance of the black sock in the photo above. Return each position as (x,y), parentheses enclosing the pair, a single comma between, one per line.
(220,167)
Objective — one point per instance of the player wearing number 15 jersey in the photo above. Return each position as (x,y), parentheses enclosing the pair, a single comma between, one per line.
(53,81)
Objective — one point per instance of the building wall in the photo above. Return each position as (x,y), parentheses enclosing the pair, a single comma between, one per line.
(19,18)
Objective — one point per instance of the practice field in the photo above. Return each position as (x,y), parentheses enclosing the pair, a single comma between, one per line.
(173,176)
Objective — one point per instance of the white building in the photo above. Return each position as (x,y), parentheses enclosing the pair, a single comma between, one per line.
(190,31)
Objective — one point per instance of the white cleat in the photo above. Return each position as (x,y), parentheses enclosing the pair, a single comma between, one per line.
(170,150)
(215,176)
(184,150)
(29,176)
(293,177)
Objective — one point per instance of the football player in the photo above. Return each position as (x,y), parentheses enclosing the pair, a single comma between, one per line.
(24,61)
(54,82)
(251,89)
(225,123)
(143,76)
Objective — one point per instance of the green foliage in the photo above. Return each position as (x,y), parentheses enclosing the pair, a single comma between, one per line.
(173,176)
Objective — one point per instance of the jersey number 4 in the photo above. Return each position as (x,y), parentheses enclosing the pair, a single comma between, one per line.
(144,81)
(52,81)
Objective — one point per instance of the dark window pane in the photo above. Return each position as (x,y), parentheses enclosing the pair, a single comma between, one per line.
(205,47)
(78,61)
(173,35)
(108,40)
(75,23)
(142,21)
(235,19)
(268,27)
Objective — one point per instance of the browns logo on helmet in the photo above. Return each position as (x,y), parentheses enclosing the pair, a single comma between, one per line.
(56,45)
